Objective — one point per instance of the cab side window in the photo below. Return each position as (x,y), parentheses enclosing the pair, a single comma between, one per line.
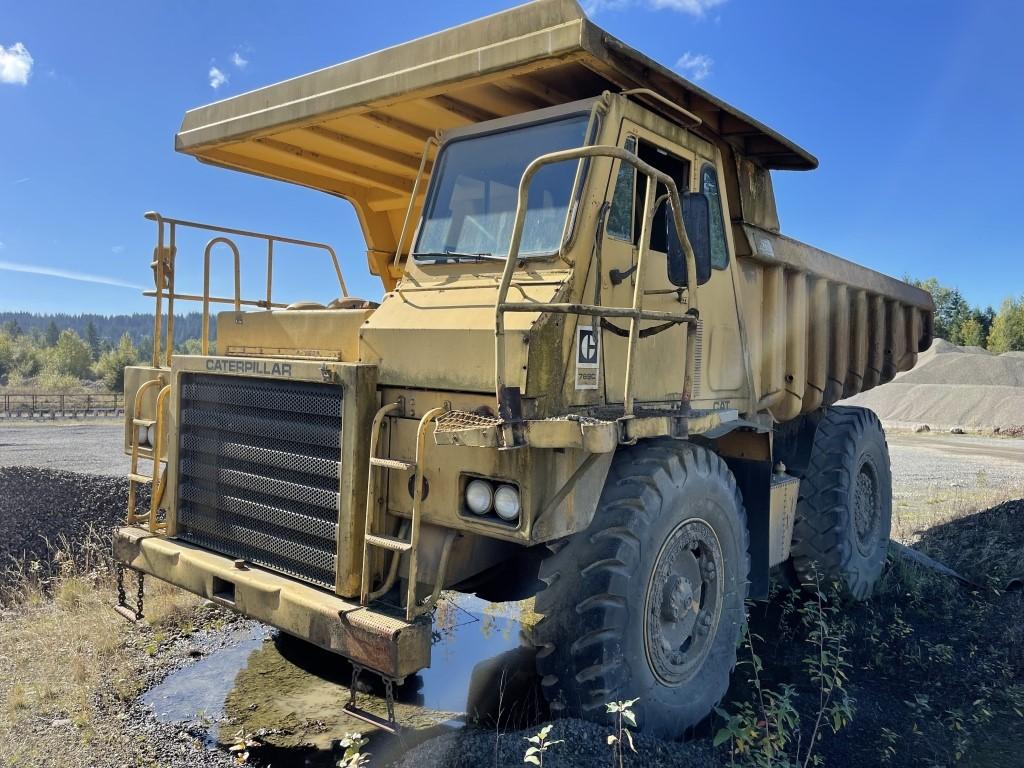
(719,246)
(620,216)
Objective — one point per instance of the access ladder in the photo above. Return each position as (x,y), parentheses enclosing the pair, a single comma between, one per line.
(397,545)
(158,479)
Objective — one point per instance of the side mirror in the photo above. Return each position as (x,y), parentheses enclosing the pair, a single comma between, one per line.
(697,220)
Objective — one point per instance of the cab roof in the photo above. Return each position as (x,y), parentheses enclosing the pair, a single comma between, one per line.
(357,129)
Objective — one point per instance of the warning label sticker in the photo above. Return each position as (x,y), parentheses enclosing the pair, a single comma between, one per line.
(587,357)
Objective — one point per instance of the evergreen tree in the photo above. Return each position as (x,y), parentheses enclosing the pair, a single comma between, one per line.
(92,338)
(52,334)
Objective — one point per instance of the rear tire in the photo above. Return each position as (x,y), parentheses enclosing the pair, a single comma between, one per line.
(844,511)
(648,601)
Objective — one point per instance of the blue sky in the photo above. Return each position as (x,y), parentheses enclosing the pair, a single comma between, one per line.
(913,109)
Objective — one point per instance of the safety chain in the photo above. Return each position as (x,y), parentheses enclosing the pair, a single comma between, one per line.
(356,671)
(122,598)
(140,597)
(389,697)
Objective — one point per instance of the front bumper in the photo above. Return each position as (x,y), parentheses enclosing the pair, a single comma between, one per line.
(386,644)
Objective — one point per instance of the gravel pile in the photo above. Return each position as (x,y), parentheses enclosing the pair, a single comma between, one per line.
(584,746)
(41,509)
(953,386)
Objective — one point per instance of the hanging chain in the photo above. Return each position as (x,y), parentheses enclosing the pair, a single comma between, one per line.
(356,671)
(389,697)
(139,598)
(122,598)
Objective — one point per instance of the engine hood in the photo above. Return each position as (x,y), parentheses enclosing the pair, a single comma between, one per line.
(438,332)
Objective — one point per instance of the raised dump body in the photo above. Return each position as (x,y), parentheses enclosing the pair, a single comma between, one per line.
(598,374)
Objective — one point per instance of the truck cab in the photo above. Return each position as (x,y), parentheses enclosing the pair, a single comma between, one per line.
(585,291)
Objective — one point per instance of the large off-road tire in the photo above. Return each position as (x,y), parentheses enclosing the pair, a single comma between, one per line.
(648,601)
(844,511)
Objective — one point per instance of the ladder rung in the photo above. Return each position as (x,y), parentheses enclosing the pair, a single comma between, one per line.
(388,542)
(143,422)
(140,478)
(408,466)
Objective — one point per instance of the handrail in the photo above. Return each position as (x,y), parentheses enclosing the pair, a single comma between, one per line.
(163,276)
(206,285)
(636,312)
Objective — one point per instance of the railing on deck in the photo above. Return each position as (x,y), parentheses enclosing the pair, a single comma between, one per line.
(636,313)
(164,258)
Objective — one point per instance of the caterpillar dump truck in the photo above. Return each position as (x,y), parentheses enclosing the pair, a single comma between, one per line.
(598,375)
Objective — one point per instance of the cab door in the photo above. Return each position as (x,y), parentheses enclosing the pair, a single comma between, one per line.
(660,357)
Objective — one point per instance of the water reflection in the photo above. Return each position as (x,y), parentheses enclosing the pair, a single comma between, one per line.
(291,693)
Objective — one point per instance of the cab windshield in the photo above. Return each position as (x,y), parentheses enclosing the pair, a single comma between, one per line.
(472,202)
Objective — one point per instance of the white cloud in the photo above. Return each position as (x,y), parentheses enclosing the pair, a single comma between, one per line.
(15,64)
(117,249)
(239,61)
(695,66)
(692,7)
(82,277)
(217,78)
(21,181)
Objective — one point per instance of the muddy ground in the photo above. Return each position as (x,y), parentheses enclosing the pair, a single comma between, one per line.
(936,667)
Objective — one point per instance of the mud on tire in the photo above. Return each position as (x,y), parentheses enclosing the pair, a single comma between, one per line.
(627,602)
(844,511)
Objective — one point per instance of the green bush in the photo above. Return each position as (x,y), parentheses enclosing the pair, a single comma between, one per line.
(112,363)
(70,356)
(1007,334)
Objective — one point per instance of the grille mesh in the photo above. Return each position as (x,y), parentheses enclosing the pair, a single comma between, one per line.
(258,472)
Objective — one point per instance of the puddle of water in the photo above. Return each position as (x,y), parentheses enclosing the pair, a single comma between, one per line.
(197,692)
(292,693)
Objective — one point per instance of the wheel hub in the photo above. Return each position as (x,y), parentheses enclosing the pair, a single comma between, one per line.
(684,600)
(866,506)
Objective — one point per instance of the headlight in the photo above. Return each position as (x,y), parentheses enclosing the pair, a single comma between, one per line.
(142,435)
(479,497)
(506,502)
(151,434)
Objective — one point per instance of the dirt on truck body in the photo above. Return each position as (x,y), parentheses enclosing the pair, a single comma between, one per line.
(599,375)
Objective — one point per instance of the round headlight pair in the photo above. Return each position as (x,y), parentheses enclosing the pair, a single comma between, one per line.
(146,435)
(482,497)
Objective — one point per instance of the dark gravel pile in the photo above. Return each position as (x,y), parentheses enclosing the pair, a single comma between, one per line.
(42,510)
(584,745)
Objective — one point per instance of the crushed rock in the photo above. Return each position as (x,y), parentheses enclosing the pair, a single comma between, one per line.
(951,386)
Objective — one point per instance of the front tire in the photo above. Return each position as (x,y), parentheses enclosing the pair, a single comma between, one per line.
(844,511)
(648,601)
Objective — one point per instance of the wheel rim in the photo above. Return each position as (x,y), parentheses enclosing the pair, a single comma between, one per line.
(684,602)
(866,508)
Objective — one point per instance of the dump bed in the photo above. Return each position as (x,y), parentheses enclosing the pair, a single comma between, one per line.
(820,328)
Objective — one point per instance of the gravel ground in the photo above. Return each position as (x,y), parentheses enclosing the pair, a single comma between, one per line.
(68,503)
(922,462)
(94,448)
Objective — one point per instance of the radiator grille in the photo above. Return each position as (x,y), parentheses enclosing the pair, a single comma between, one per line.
(258,472)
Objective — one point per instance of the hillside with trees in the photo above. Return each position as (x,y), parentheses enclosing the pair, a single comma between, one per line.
(71,353)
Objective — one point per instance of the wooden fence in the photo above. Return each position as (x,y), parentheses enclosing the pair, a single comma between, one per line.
(49,405)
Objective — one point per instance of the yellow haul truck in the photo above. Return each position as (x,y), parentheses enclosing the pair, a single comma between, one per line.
(598,373)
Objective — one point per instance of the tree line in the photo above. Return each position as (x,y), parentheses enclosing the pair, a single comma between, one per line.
(62,352)
(959,323)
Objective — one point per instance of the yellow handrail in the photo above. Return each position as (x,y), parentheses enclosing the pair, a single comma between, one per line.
(163,274)
(636,312)
(206,285)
